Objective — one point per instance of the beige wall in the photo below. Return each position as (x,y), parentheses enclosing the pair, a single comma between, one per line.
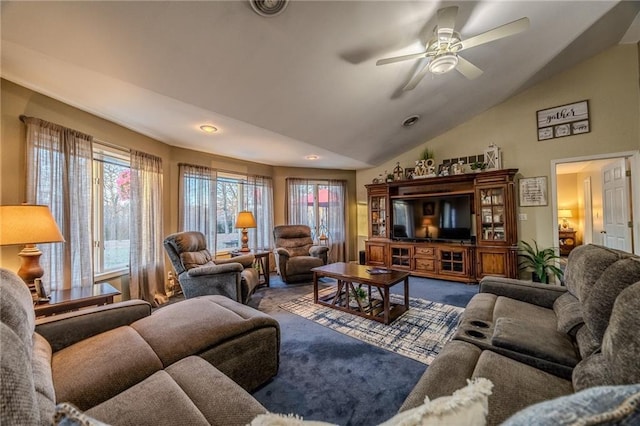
(568,198)
(17,100)
(614,108)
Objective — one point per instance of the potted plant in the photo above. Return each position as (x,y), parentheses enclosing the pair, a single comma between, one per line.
(478,166)
(540,261)
(426,154)
(358,294)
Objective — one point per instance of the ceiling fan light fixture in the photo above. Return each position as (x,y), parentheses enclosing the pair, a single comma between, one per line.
(410,121)
(443,63)
(268,7)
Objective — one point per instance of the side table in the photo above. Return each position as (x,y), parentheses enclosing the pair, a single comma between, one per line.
(262,261)
(567,242)
(75,298)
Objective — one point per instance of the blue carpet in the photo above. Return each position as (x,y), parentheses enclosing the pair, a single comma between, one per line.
(326,375)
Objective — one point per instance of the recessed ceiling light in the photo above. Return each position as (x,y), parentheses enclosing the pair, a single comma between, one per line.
(410,121)
(208,128)
(312,157)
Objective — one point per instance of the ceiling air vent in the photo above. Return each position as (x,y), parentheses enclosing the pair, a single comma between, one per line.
(268,7)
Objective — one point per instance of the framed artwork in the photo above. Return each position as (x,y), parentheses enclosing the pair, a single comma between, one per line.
(428,208)
(409,172)
(563,120)
(533,191)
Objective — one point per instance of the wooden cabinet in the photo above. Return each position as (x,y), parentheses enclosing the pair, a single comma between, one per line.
(376,253)
(491,251)
(401,256)
(567,242)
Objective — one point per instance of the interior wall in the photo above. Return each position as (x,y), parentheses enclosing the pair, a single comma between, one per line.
(17,100)
(596,202)
(614,108)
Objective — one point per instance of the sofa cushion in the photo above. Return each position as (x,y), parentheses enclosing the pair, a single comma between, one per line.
(586,342)
(190,392)
(42,379)
(480,307)
(524,337)
(516,385)
(18,397)
(568,312)
(598,302)
(585,265)
(510,308)
(192,326)
(302,265)
(16,307)
(95,369)
(617,363)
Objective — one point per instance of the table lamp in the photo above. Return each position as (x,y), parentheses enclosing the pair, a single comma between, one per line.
(245,220)
(28,224)
(564,214)
(426,223)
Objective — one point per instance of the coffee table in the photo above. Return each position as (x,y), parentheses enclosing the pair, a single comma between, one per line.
(379,308)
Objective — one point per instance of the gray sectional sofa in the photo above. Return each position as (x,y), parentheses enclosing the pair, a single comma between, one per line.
(192,362)
(537,342)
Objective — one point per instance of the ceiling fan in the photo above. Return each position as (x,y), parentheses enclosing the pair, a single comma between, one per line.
(444,48)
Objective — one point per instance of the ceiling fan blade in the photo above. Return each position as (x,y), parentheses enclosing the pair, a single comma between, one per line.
(401,58)
(416,78)
(502,31)
(446,22)
(467,69)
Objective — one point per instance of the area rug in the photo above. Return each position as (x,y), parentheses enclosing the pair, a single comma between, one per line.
(418,334)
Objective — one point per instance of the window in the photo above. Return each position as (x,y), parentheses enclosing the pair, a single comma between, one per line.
(111,195)
(210,203)
(320,204)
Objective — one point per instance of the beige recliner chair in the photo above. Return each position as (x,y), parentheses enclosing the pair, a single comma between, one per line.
(295,253)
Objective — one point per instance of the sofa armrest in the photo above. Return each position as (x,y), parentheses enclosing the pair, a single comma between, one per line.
(318,251)
(66,329)
(282,252)
(246,260)
(526,291)
(215,269)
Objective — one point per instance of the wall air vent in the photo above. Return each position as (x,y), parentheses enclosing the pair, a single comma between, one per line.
(268,7)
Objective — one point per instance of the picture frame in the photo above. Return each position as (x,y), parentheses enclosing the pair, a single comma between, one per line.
(428,208)
(409,172)
(563,120)
(533,191)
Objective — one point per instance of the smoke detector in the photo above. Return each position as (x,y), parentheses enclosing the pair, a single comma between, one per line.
(268,7)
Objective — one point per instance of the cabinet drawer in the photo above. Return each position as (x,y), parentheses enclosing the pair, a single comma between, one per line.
(425,251)
(425,265)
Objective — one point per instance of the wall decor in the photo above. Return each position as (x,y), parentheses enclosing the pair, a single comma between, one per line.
(533,191)
(564,120)
(492,157)
(408,172)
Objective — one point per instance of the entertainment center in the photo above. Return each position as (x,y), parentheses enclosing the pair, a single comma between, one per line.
(460,227)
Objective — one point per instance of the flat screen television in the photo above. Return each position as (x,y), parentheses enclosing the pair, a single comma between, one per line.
(438,218)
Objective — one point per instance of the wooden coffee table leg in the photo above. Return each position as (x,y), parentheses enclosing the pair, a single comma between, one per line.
(315,287)
(406,293)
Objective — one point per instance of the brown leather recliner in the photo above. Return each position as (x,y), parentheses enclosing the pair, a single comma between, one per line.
(296,254)
(200,275)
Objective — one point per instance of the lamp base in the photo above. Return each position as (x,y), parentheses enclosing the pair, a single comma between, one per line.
(30,269)
(245,241)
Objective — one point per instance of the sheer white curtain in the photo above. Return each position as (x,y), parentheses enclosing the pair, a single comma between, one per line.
(297,193)
(146,229)
(198,201)
(258,199)
(59,172)
(336,220)
(306,205)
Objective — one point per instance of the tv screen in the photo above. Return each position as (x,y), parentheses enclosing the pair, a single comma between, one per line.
(445,218)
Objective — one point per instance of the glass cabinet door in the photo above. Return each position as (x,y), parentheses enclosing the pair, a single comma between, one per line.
(492,214)
(378,216)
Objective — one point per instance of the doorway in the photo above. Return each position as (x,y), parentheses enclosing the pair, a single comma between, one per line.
(590,206)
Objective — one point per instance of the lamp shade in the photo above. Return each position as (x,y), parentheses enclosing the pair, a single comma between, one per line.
(245,220)
(564,213)
(28,224)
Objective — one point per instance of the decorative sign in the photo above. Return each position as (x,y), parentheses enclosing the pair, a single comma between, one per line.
(565,120)
(533,191)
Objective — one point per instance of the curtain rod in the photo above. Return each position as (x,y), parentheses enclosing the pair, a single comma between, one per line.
(110,145)
(225,171)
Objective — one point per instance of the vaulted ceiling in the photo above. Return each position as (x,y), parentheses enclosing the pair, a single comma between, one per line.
(304,82)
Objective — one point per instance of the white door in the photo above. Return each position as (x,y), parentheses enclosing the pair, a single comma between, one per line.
(615,198)
(587,234)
